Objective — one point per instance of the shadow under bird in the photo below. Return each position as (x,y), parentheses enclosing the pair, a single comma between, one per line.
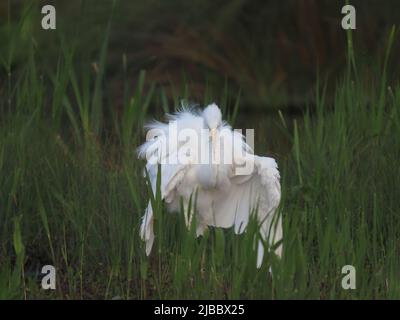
(214,163)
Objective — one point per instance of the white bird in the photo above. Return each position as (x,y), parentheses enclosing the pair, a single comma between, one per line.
(227,192)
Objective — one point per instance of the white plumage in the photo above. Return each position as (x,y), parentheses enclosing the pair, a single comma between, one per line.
(226,197)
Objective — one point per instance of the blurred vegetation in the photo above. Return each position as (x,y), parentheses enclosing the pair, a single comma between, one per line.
(271,50)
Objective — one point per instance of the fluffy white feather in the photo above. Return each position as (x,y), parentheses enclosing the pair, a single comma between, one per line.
(224,198)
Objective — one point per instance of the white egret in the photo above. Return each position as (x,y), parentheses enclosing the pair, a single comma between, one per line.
(215,162)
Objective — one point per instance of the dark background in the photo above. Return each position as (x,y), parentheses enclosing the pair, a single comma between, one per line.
(272,51)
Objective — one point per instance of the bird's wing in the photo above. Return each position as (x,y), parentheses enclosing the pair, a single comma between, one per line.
(171,175)
(165,149)
(258,192)
(162,152)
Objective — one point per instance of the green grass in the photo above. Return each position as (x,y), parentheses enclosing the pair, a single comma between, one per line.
(72,191)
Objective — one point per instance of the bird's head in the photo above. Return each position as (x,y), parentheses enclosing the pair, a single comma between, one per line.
(212,116)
